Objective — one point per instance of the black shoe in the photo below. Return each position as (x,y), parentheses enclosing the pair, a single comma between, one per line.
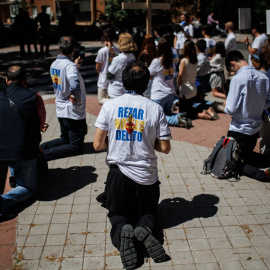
(183,120)
(153,246)
(128,252)
(12,181)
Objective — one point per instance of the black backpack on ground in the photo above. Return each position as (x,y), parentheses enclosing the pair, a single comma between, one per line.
(222,161)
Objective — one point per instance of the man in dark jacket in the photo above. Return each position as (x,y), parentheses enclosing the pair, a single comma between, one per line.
(19,138)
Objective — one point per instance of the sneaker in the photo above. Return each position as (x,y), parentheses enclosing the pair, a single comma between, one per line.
(186,122)
(153,246)
(128,252)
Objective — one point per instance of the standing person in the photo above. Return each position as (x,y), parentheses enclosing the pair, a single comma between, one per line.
(147,54)
(257,44)
(212,22)
(230,42)
(136,127)
(19,138)
(163,90)
(185,32)
(70,100)
(103,61)
(210,43)
(249,95)
(217,64)
(127,47)
(44,30)
(20,26)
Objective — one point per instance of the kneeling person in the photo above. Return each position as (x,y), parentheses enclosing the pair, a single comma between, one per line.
(136,127)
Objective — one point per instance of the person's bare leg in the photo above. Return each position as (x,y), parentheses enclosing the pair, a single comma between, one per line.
(218,94)
(204,115)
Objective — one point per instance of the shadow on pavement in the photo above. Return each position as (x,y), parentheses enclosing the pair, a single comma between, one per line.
(63,182)
(175,211)
(58,184)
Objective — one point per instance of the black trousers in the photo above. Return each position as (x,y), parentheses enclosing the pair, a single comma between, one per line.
(70,142)
(251,161)
(3,176)
(130,203)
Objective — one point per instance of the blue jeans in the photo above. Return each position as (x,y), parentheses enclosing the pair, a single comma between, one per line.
(26,183)
(166,104)
(70,142)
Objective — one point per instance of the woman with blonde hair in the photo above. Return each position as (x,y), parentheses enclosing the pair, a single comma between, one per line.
(126,46)
(147,54)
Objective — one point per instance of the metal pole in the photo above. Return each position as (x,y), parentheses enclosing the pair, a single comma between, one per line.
(149,17)
(93,11)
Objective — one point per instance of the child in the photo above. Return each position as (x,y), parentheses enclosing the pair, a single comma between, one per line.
(103,61)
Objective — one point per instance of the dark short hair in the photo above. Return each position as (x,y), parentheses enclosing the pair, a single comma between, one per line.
(66,44)
(233,56)
(258,27)
(220,48)
(16,73)
(201,44)
(136,77)
(109,34)
(207,29)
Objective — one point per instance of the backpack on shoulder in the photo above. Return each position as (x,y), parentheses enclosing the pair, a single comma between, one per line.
(222,161)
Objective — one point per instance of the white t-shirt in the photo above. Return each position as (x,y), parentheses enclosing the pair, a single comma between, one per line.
(64,73)
(256,44)
(188,87)
(181,38)
(134,123)
(104,57)
(217,63)
(230,43)
(264,37)
(210,44)
(162,85)
(118,64)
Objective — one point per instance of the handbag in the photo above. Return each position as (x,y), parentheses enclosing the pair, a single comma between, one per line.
(42,164)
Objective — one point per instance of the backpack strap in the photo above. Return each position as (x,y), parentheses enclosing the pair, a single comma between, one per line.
(229,154)
(216,149)
(228,160)
(212,156)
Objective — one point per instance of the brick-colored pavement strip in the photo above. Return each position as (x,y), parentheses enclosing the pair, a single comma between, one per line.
(7,239)
(207,223)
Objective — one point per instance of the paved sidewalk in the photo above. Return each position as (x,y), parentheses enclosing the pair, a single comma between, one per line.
(208,223)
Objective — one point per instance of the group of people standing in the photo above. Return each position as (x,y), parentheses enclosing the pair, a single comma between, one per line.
(31,31)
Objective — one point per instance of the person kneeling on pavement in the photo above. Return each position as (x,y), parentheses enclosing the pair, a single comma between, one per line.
(248,96)
(19,139)
(131,127)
